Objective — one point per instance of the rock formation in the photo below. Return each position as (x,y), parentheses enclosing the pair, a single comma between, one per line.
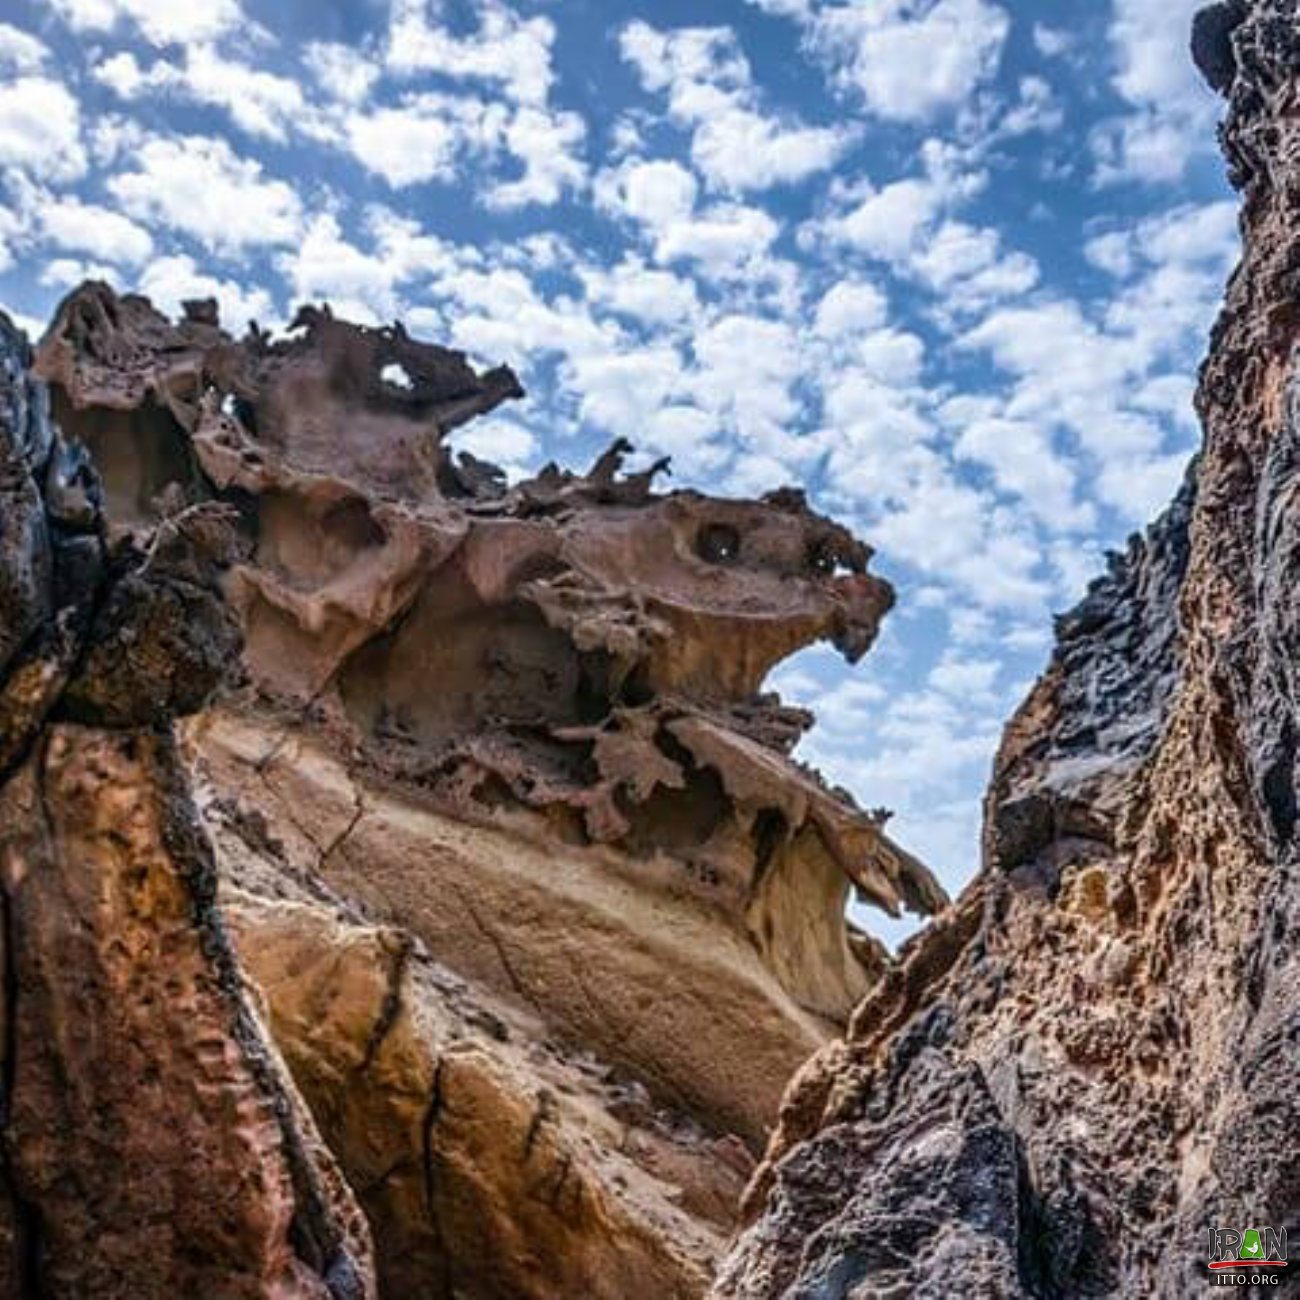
(1092,1059)
(464,940)
(540,910)
(151,1141)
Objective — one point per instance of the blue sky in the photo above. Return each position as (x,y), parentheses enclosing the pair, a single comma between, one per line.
(950,263)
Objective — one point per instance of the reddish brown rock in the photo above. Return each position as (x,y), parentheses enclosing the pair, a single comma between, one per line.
(152,1143)
(514,734)
(575,661)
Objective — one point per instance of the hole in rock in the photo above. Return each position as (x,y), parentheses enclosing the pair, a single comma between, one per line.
(137,454)
(718,544)
(396,374)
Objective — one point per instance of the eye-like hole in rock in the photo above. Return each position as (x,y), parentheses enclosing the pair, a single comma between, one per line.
(826,560)
(718,544)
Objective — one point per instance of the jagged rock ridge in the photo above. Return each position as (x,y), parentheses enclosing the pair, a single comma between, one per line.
(1092,1059)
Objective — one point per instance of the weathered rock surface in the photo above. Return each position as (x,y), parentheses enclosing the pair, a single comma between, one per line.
(151,1142)
(1091,1060)
(538,909)
(542,912)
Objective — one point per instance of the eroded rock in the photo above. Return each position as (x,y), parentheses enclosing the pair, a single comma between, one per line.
(577,659)
(1108,1017)
(151,1142)
(513,735)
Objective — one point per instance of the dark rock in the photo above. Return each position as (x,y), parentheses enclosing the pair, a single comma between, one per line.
(1212,51)
(1125,971)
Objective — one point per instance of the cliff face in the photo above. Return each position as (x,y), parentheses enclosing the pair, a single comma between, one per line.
(1091,1060)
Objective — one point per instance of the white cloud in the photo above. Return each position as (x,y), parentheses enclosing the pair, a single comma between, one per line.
(1142,486)
(324,266)
(345,74)
(20,51)
(888,222)
(199,186)
(40,129)
(88,228)
(64,272)
(618,389)
(410,145)
(966,680)
(161,22)
(375,283)
(747,369)
(911,60)
(632,289)
(500,315)
(694,438)
(428,137)
(891,357)
(741,150)
(1026,465)
(547,145)
(784,8)
(169,281)
(850,307)
(710,89)
(725,240)
(261,103)
(891,223)
(1171,111)
(658,194)
(1052,42)
(507,51)
(1036,109)
(502,440)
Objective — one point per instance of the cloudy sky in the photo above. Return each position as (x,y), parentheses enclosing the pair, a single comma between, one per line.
(950,263)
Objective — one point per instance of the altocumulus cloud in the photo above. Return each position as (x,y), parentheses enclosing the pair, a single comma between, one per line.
(950,263)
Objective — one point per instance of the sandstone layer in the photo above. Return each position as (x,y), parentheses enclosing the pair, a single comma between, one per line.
(1092,1059)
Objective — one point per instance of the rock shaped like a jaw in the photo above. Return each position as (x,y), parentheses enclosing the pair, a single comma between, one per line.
(725,589)
(578,650)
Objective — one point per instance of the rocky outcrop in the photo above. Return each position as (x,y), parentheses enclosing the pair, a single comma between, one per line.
(151,1141)
(1091,1059)
(541,911)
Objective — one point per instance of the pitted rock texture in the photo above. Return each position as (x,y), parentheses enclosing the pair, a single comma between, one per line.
(151,1142)
(599,647)
(1106,1026)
